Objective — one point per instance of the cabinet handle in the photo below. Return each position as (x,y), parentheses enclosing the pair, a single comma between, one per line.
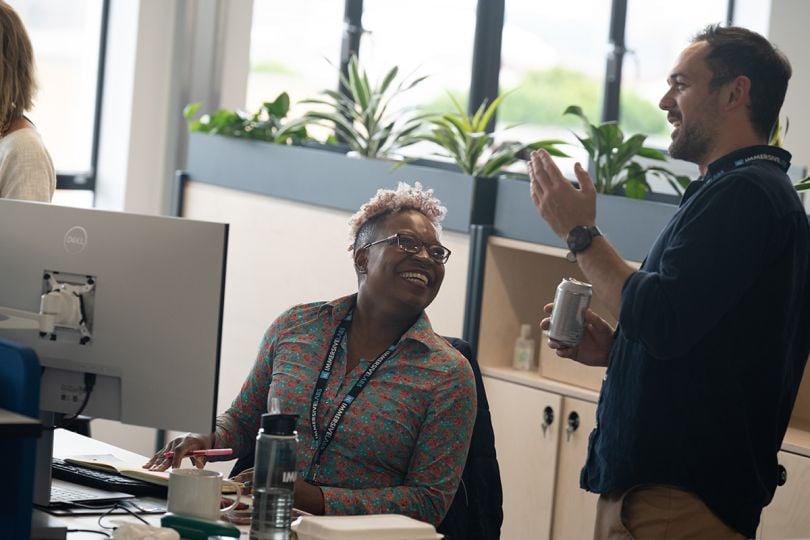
(573,425)
(781,475)
(548,419)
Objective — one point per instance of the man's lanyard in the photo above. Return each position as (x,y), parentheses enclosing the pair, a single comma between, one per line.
(351,396)
(735,160)
(745,156)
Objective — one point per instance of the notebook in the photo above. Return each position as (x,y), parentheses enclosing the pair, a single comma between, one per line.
(112,463)
(369,527)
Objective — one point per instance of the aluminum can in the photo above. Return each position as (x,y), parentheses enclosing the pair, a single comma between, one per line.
(568,316)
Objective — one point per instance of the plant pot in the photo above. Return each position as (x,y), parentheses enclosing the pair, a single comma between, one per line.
(631,225)
(331,179)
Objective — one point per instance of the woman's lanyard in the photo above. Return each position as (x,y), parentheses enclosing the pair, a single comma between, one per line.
(351,396)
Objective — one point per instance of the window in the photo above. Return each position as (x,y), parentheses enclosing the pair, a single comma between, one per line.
(652,52)
(291,47)
(550,59)
(422,38)
(66,39)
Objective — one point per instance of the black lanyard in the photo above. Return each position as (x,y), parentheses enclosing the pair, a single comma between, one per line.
(349,398)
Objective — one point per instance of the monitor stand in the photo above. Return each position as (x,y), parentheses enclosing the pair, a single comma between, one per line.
(42,472)
(46,527)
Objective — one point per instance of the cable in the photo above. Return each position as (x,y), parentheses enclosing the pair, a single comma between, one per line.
(103,533)
(89,384)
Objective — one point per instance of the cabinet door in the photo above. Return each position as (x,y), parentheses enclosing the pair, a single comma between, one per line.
(527,455)
(574,508)
(788,515)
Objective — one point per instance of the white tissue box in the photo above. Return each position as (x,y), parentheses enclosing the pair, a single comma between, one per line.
(371,527)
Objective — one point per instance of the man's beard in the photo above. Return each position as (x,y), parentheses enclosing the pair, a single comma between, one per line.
(691,143)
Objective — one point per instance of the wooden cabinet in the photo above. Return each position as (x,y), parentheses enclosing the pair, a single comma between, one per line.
(541,439)
(527,425)
(574,508)
(788,515)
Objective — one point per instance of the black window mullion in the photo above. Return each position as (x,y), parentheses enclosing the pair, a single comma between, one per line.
(615,58)
(87,180)
(730,13)
(486,62)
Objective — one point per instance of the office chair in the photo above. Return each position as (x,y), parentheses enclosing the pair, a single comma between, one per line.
(476,512)
(19,393)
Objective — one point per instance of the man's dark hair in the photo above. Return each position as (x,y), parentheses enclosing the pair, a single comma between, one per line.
(736,51)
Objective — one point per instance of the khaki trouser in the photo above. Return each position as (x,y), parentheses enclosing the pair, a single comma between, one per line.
(658,513)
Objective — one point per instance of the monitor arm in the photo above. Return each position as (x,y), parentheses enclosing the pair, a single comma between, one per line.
(16,319)
(60,307)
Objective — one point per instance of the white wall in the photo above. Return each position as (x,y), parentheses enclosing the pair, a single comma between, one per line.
(161,56)
(788,30)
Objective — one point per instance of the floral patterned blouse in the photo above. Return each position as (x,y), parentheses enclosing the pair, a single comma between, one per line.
(401,446)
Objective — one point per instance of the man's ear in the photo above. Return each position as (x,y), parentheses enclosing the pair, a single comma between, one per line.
(361,261)
(738,93)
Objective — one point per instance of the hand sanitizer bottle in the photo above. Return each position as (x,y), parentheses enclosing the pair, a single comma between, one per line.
(524,349)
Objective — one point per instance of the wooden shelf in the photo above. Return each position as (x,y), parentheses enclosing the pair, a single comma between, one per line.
(534,380)
(797,438)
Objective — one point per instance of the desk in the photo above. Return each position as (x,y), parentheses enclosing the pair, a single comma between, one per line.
(13,425)
(67,443)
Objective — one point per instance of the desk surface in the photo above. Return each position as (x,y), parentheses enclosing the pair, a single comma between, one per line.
(66,443)
(17,425)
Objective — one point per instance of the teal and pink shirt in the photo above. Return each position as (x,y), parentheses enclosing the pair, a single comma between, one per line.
(401,446)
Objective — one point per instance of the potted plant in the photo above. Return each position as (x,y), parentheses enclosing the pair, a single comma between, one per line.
(364,117)
(330,179)
(616,170)
(630,222)
(463,138)
(266,124)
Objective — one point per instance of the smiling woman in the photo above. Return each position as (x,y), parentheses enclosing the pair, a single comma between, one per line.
(400,445)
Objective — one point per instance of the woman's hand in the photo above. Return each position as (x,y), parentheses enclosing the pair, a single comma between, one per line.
(246,479)
(181,446)
(594,349)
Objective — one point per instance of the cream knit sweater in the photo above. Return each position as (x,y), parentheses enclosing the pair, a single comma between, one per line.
(26,169)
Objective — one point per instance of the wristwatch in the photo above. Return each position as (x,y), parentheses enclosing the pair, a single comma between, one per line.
(579,239)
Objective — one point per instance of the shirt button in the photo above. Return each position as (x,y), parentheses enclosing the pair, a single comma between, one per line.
(604,378)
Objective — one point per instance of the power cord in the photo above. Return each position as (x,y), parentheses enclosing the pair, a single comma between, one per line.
(89,384)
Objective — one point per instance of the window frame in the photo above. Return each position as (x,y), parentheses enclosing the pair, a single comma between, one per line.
(86,180)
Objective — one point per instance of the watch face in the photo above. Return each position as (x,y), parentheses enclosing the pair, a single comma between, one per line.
(579,238)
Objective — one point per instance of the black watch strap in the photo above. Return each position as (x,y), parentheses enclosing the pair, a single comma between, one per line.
(580,239)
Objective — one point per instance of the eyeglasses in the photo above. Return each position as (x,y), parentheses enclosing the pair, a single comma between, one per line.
(411,244)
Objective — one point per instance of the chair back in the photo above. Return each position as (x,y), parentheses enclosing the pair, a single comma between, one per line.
(476,512)
(19,393)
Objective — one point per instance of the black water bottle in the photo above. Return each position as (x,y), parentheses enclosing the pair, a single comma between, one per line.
(274,477)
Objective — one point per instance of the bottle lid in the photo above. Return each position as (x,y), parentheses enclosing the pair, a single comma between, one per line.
(525,330)
(279,424)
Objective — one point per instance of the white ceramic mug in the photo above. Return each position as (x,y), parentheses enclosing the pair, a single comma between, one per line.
(197,493)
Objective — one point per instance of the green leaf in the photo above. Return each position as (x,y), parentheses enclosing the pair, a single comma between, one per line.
(278,108)
(652,153)
(390,76)
(490,111)
(190,110)
(625,152)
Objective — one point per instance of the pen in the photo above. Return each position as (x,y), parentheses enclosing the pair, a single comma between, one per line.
(211,452)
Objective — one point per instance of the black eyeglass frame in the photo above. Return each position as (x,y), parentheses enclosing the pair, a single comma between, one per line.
(395,238)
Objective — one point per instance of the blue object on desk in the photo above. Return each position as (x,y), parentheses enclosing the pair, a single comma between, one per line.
(19,393)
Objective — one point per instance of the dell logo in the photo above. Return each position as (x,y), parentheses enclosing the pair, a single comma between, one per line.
(75,239)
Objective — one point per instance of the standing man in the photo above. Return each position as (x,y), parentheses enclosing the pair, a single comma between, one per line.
(714,329)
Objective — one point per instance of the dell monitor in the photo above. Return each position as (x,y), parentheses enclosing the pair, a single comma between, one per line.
(123,310)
